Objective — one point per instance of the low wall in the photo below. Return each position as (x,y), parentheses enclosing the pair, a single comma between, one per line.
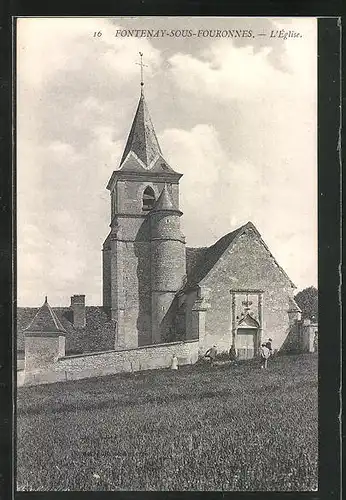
(111,362)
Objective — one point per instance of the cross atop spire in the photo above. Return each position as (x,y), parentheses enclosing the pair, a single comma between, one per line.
(142,66)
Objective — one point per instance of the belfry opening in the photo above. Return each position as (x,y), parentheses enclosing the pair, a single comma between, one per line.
(148,199)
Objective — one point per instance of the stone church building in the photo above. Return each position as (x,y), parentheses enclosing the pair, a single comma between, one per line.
(158,290)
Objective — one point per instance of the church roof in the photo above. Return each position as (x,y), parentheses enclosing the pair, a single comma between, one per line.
(200,261)
(206,258)
(142,158)
(194,255)
(142,140)
(45,321)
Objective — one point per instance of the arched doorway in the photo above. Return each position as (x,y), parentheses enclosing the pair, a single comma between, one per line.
(246,339)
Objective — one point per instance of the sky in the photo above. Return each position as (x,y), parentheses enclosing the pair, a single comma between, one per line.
(236,116)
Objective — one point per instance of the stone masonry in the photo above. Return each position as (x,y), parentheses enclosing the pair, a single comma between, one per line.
(159,297)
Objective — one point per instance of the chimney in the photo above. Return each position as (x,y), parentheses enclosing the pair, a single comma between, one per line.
(78,309)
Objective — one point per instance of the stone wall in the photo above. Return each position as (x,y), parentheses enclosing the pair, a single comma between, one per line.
(137,290)
(129,259)
(246,265)
(190,299)
(112,362)
(43,352)
(168,265)
(130,281)
(106,274)
(168,269)
(130,194)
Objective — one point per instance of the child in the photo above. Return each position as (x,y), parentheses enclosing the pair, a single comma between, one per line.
(174,365)
(269,345)
(265,353)
(211,354)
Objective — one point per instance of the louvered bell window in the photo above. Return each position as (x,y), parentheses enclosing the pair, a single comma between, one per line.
(148,199)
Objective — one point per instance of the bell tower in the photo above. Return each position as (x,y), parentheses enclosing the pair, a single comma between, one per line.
(139,191)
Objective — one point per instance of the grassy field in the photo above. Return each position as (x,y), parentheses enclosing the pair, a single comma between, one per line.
(202,428)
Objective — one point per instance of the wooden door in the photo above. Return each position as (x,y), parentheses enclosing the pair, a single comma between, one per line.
(245,342)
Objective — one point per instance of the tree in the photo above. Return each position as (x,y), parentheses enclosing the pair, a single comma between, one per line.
(307,300)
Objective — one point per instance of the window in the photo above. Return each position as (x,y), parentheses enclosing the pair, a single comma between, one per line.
(148,198)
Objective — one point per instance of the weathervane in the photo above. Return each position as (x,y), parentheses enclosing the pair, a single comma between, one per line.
(142,66)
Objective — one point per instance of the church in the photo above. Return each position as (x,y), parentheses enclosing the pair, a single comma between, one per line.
(156,289)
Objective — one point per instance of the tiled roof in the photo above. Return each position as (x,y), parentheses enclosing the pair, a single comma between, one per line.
(161,166)
(194,257)
(142,147)
(200,261)
(45,321)
(97,335)
(142,139)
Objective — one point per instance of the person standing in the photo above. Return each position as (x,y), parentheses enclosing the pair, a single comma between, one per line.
(232,354)
(174,365)
(268,344)
(265,353)
(211,354)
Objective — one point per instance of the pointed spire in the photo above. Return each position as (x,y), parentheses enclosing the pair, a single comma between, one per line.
(164,201)
(45,321)
(142,139)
